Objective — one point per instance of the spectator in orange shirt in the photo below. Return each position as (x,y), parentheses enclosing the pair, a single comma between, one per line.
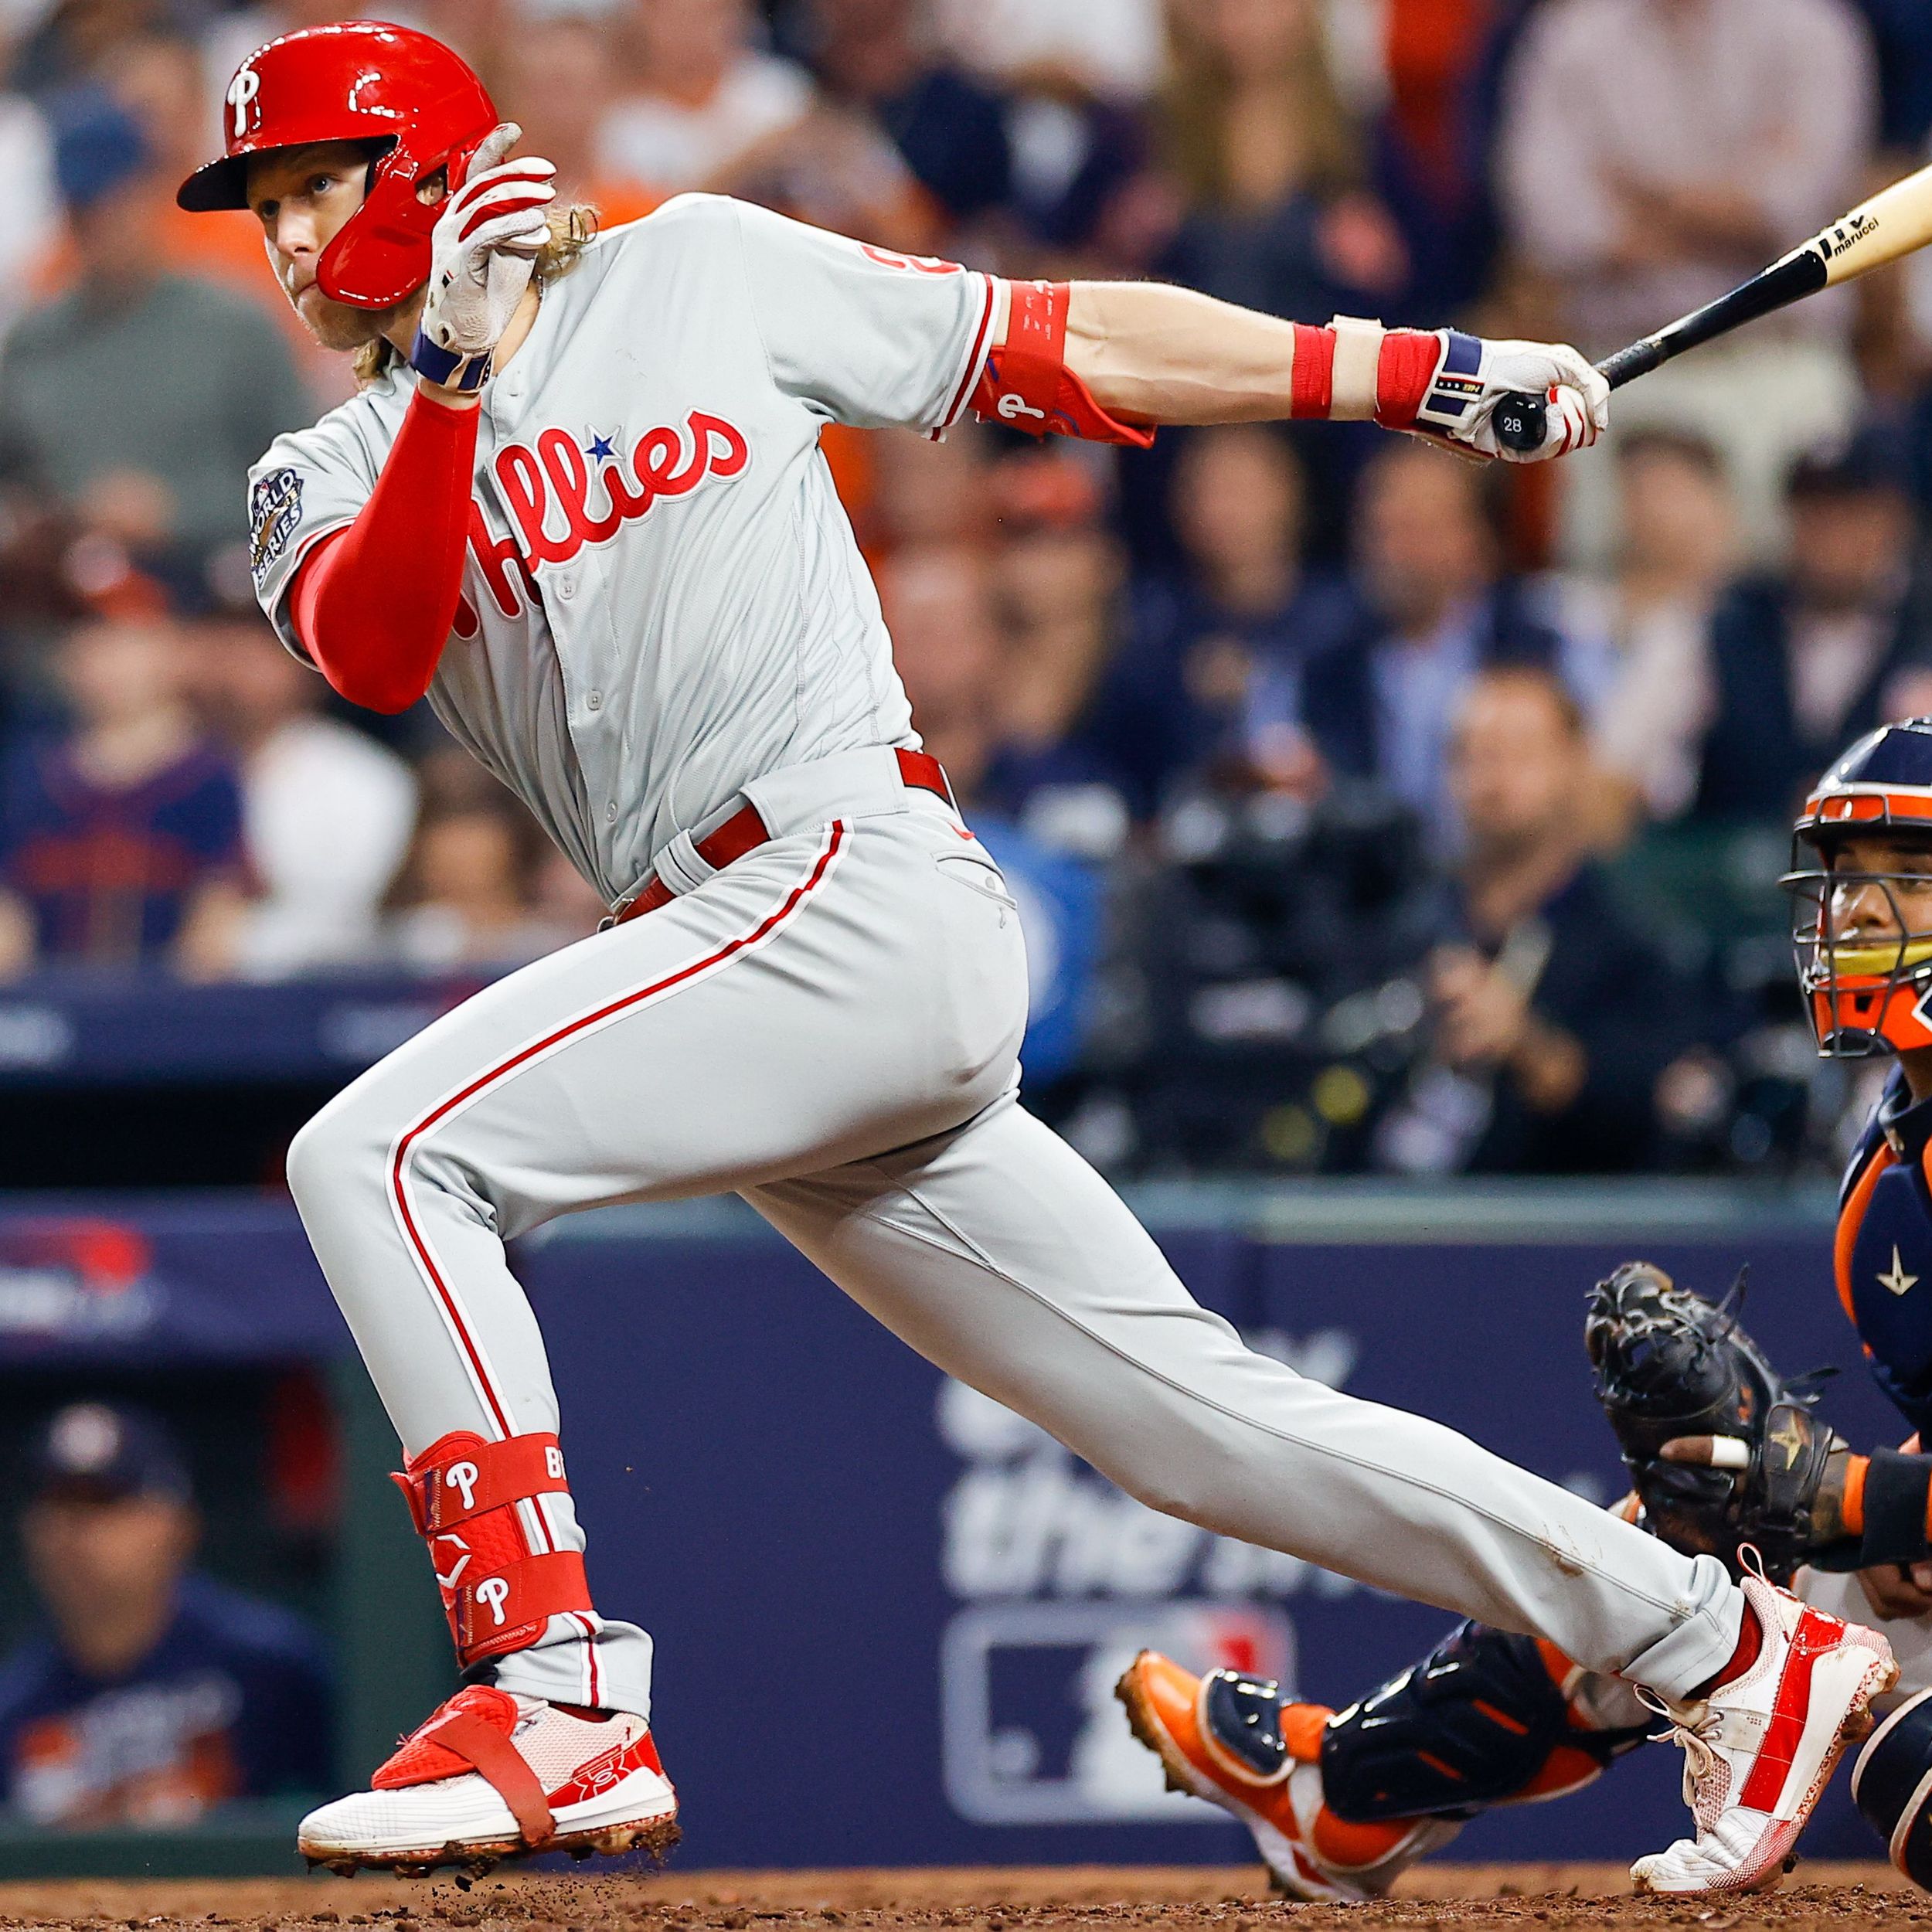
(161,79)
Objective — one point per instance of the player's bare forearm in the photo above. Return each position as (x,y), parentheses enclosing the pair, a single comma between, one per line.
(1146,353)
(1156,354)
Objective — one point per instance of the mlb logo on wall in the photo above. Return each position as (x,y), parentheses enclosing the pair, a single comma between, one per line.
(1061,1580)
(1032,1732)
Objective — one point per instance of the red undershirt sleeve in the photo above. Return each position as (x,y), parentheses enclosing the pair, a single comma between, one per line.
(373,604)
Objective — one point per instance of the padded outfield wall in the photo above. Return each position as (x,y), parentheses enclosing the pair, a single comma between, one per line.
(888,1614)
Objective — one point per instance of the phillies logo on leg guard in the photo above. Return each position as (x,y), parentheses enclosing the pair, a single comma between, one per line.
(479,1505)
(464,1475)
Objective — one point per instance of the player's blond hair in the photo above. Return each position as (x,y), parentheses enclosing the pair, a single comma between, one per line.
(571,231)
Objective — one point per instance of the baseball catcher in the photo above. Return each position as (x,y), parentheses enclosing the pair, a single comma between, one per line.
(579,505)
(1726,1458)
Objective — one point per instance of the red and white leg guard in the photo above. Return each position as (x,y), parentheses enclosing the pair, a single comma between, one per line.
(475,1504)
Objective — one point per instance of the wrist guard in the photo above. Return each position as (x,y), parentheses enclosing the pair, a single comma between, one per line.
(446,367)
(1889,1524)
(1356,371)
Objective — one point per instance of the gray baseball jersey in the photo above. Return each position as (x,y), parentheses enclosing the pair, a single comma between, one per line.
(663,598)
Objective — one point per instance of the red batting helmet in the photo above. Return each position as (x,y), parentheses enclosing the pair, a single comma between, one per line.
(356,80)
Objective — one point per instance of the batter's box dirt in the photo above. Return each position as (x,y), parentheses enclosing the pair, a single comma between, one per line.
(1443,1898)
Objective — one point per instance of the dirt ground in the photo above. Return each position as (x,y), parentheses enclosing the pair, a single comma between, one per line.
(1443,1898)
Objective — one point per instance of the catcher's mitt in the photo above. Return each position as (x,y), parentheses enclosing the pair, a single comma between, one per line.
(1670,1365)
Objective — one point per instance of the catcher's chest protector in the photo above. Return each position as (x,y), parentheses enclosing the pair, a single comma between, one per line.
(1884,1258)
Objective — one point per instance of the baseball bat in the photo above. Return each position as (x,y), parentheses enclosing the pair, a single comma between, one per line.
(1896,221)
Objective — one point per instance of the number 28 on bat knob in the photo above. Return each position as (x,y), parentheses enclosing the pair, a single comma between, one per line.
(1520,421)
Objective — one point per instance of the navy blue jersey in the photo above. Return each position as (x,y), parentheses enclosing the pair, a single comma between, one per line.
(234,1701)
(108,874)
(1883,1258)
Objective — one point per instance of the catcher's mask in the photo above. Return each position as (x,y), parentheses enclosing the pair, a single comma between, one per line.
(415,103)
(1863,932)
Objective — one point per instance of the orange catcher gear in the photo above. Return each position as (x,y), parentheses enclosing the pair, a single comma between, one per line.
(356,80)
(1868,990)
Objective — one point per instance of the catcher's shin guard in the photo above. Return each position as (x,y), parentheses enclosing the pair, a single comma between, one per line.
(475,1502)
(1485,1719)
(1892,1785)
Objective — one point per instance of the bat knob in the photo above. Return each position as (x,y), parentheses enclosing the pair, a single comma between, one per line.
(1520,422)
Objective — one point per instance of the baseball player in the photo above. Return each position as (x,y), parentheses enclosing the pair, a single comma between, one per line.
(1340,1804)
(579,504)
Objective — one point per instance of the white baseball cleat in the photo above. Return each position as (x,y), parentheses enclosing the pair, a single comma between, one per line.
(492,1776)
(1759,1751)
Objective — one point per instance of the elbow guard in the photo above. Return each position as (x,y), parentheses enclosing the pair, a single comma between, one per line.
(1026,384)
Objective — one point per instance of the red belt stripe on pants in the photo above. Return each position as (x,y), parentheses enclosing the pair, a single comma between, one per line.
(745,832)
(407,1144)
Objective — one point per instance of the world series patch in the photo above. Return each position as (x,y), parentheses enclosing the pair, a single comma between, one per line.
(274,511)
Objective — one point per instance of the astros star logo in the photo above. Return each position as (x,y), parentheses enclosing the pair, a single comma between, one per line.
(1898,1280)
(1789,1437)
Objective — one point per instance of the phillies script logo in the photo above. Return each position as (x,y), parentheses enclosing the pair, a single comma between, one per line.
(558,504)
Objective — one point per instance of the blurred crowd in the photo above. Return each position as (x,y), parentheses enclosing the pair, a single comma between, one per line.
(1369,810)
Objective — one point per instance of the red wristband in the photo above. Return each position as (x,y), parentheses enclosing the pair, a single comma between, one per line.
(1403,376)
(1311,392)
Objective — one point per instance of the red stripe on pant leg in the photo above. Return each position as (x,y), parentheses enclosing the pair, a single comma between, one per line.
(590,1660)
(1813,1638)
(398,1170)
(404,1146)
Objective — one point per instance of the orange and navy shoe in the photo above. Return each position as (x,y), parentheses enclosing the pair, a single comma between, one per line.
(1231,1740)
(492,1775)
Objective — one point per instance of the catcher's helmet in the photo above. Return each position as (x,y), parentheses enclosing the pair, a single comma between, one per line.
(356,80)
(1869,991)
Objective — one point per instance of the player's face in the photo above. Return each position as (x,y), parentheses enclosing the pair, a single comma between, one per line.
(302,196)
(1881,889)
(87,1558)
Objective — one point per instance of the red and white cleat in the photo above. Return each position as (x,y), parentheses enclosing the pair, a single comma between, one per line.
(1760,1750)
(1231,1740)
(492,1776)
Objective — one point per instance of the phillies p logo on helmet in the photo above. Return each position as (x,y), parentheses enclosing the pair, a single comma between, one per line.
(241,92)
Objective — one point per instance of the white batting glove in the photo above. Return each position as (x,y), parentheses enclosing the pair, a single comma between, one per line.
(1474,375)
(484,247)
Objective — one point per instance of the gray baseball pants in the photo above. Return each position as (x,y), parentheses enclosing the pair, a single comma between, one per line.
(829,1028)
